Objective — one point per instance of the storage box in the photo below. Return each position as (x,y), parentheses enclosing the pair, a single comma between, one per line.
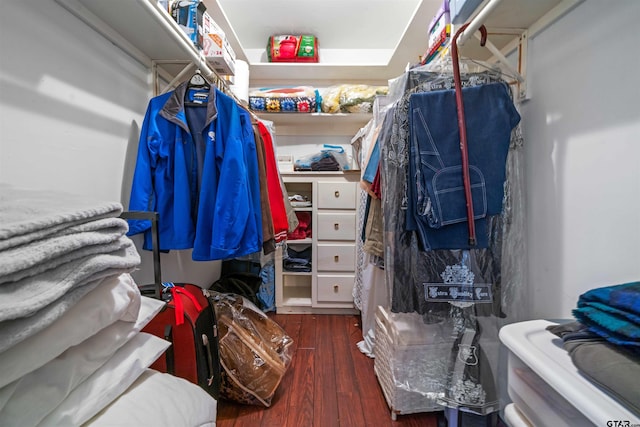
(188,14)
(216,48)
(461,10)
(292,48)
(439,33)
(411,361)
(545,385)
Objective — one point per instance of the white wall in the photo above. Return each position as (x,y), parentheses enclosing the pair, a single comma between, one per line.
(71,106)
(582,130)
(70,102)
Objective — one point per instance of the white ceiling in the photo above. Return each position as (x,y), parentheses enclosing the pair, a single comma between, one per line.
(338,24)
(350,26)
(356,38)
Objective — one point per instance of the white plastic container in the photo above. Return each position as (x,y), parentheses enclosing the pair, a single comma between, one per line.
(405,346)
(547,388)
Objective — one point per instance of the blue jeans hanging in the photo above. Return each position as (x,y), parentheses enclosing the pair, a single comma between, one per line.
(437,202)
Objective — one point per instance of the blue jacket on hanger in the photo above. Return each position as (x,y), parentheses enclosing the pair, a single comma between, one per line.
(197,167)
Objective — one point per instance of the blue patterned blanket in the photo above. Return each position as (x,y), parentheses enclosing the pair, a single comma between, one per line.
(612,312)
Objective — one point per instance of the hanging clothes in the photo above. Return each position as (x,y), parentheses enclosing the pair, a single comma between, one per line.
(276,197)
(197,167)
(268,244)
(462,289)
(437,205)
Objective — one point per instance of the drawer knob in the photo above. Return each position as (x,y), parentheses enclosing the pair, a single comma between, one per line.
(336,226)
(336,288)
(337,193)
(336,258)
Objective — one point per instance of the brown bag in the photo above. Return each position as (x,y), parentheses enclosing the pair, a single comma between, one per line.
(254,350)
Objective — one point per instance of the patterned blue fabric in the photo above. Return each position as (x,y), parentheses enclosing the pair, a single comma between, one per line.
(613,312)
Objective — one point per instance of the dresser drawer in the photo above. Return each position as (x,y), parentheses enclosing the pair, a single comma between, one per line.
(336,226)
(336,195)
(336,257)
(335,288)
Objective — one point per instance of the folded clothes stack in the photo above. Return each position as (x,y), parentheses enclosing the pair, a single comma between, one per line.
(303,230)
(71,315)
(604,340)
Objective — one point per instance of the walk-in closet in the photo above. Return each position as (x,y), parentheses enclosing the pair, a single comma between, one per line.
(319,213)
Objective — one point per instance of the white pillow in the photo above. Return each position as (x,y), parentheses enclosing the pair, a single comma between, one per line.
(117,298)
(143,404)
(108,382)
(36,394)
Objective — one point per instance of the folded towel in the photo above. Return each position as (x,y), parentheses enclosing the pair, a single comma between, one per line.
(26,296)
(95,237)
(30,215)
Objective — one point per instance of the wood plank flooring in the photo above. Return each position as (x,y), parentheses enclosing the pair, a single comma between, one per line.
(329,383)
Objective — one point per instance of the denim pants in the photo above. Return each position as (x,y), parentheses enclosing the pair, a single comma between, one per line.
(437,203)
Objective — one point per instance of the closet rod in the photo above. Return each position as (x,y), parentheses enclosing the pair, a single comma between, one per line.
(478,21)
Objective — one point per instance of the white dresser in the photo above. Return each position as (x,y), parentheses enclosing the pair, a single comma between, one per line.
(328,287)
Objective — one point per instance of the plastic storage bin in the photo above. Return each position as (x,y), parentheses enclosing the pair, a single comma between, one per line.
(410,361)
(545,385)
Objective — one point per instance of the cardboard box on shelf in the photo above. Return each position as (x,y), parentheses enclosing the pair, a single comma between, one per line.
(216,47)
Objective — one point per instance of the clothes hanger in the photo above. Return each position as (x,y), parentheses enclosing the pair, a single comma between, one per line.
(197,90)
(198,81)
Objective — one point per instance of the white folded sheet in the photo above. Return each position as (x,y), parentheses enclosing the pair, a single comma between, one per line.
(50,384)
(117,298)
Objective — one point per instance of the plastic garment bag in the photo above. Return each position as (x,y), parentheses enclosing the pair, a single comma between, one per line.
(470,293)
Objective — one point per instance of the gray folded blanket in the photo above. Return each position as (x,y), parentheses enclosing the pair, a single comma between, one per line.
(94,237)
(30,215)
(27,296)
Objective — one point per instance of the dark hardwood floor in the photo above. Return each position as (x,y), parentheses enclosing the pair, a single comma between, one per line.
(329,383)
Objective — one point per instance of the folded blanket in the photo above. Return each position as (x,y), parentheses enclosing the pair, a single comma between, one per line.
(612,312)
(614,368)
(30,215)
(29,295)
(76,242)
(625,296)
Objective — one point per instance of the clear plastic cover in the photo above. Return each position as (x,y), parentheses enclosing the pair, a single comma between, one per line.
(467,375)
(254,350)
(351,98)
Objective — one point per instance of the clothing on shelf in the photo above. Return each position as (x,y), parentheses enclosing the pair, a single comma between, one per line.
(298,260)
(303,230)
(614,367)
